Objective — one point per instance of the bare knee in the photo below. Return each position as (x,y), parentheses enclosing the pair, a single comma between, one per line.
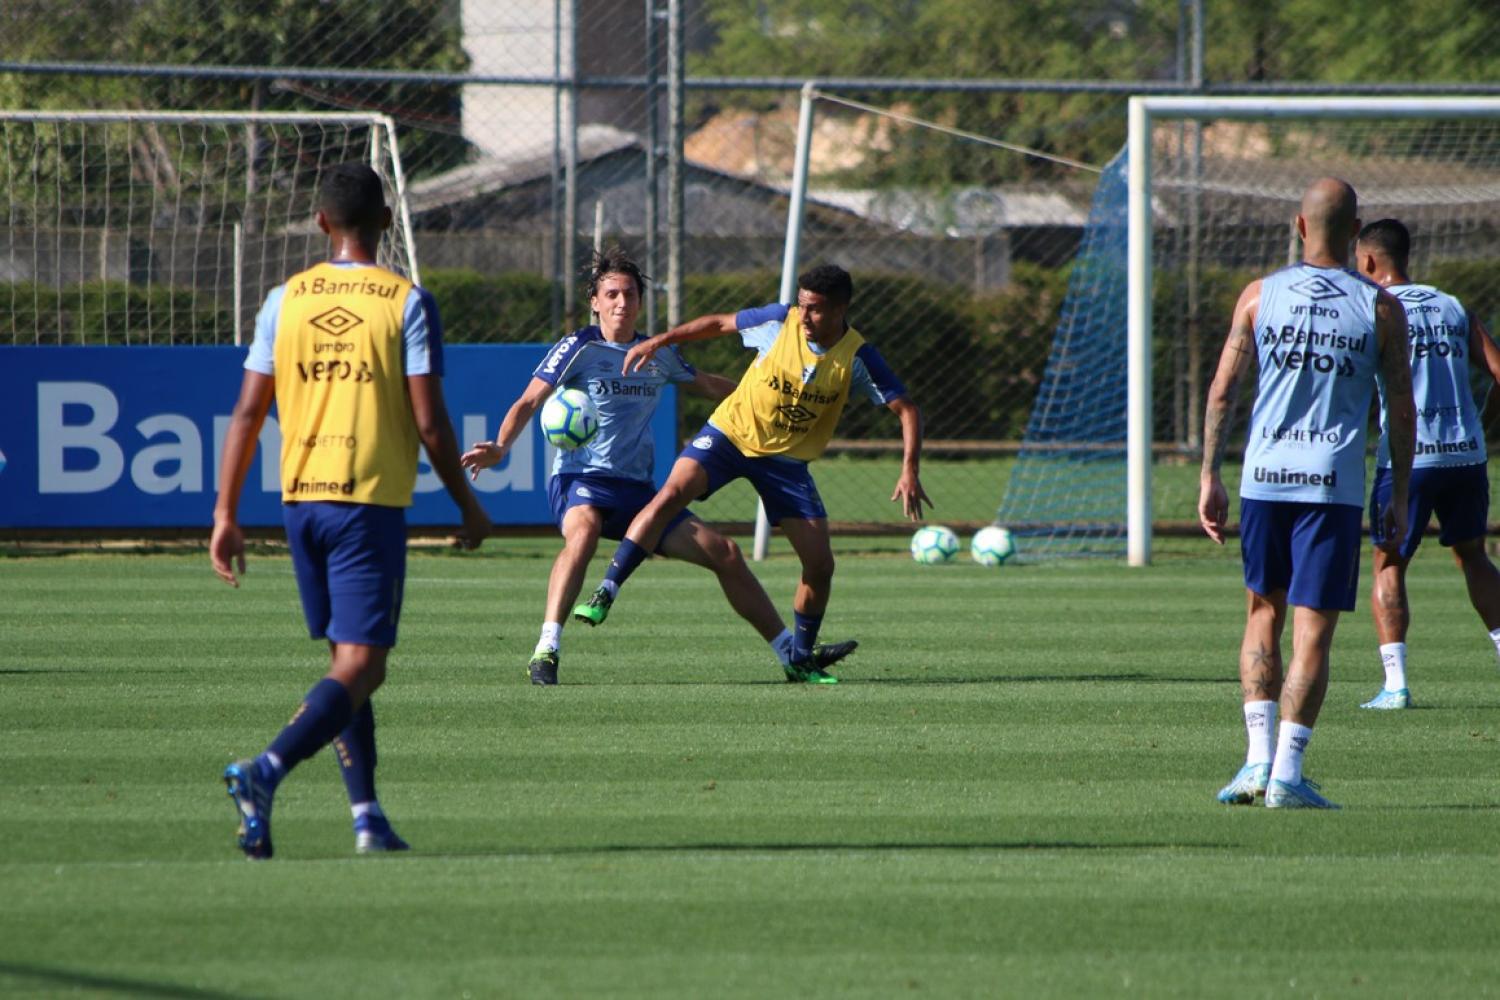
(817,570)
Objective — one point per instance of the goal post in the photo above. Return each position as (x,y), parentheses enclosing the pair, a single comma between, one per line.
(151,227)
(1413,165)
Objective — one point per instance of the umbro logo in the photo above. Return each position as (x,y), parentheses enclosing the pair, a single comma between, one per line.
(796,413)
(583,491)
(1256,718)
(1416,294)
(336,322)
(703,442)
(1317,288)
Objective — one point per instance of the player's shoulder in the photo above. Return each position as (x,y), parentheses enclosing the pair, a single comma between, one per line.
(771,312)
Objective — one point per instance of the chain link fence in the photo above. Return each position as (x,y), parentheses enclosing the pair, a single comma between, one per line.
(955,149)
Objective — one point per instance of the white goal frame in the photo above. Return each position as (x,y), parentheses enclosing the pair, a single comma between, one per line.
(1143,112)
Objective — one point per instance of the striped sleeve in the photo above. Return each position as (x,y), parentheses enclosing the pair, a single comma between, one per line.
(422,333)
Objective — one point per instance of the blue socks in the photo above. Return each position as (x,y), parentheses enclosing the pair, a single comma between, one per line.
(355,747)
(626,558)
(804,635)
(323,714)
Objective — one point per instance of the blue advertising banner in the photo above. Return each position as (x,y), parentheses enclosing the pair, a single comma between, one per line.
(127,437)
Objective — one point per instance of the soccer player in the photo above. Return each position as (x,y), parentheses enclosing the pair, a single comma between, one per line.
(1448,474)
(809,361)
(1322,335)
(352,354)
(599,488)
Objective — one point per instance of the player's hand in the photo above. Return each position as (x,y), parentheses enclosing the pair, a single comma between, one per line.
(482,455)
(638,355)
(909,491)
(476,527)
(226,545)
(1393,527)
(1213,508)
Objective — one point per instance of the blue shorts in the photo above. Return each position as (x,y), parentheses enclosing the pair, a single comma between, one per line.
(350,561)
(785,487)
(1458,494)
(1310,550)
(620,500)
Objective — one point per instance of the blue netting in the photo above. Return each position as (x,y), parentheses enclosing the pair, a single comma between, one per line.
(1066,495)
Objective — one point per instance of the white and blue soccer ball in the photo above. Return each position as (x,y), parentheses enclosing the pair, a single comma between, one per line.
(934,545)
(569,419)
(992,546)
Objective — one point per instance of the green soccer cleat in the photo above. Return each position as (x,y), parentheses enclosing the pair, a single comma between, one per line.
(1246,786)
(543,667)
(596,610)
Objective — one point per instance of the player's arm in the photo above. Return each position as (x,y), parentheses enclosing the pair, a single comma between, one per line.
(228,542)
(909,484)
(1234,362)
(436,432)
(1486,354)
(702,328)
(483,454)
(715,387)
(1401,410)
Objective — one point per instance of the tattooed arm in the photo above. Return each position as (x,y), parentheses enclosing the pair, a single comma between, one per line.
(1401,414)
(1239,348)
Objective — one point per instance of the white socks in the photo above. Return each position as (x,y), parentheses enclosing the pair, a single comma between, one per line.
(1291,744)
(1393,656)
(551,637)
(362,809)
(1495,638)
(1260,727)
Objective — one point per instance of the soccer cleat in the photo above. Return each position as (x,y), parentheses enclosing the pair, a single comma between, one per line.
(252,801)
(596,610)
(826,655)
(1390,699)
(807,672)
(543,667)
(373,835)
(1302,795)
(1246,786)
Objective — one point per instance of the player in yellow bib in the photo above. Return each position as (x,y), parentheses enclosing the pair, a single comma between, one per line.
(353,355)
(809,362)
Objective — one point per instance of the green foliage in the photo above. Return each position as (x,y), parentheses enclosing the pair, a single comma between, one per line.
(112,312)
(513,308)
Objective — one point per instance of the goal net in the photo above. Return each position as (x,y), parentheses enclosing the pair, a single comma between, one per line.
(169,228)
(1213,189)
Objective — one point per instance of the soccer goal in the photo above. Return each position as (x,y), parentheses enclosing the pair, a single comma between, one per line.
(141,227)
(1214,187)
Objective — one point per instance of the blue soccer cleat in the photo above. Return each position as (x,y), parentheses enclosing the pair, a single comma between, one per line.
(1389,700)
(373,835)
(1302,795)
(1246,786)
(252,802)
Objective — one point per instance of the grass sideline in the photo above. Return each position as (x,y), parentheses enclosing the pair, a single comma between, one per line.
(1011,794)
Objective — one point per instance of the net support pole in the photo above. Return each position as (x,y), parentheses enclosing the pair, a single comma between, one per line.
(1138,339)
(794,212)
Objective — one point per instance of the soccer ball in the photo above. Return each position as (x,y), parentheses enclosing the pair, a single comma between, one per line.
(569,419)
(933,545)
(992,546)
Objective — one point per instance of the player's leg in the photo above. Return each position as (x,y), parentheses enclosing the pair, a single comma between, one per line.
(1463,511)
(1483,582)
(1265,549)
(1388,602)
(1260,688)
(810,540)
(581,524)
(1325,580)
(687,481)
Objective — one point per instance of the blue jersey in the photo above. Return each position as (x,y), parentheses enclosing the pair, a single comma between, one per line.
(1319,363)
(585,360)
(1448,426)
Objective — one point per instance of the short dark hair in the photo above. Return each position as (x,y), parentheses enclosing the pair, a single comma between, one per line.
(613,261)
(1388,237)
(829,280)
(351,195)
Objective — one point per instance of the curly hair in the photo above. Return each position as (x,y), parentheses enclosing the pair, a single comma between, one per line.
(612,261)
(830,280)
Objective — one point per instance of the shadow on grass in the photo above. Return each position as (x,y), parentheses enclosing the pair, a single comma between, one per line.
(841,847)
(73,979)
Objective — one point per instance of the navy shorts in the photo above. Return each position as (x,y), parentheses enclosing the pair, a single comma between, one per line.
(1310,550)
(350,561)
(785,487)
(620,500)
(1458,494)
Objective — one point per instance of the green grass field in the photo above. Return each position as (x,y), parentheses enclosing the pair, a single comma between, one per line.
(1011,794)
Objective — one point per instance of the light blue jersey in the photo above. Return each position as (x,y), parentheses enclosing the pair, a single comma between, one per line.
(1448,427)
(1319,362)
(585,360)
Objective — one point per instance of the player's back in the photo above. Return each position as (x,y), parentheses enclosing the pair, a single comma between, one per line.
(1449,430)
(1318,358)
(347,428)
